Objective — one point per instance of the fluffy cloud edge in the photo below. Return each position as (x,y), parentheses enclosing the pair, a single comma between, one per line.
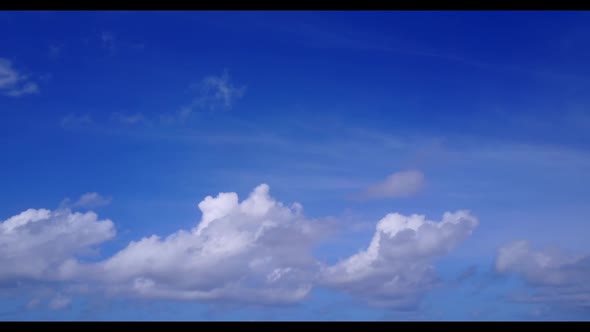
(238,252)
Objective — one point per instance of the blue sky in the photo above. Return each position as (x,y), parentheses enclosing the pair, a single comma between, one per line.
(425,165)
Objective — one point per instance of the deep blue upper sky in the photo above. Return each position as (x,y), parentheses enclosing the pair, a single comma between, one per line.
(353,115)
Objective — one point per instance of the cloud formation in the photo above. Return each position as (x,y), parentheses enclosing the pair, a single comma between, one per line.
(554,276)
(396,268)
(399,184)
(40,244)
(257,250)
(13,83)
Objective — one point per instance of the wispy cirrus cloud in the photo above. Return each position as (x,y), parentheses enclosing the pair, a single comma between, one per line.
(13,83)
(214,92)
(220,90)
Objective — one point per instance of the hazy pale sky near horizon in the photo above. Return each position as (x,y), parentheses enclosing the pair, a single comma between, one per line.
(423,165)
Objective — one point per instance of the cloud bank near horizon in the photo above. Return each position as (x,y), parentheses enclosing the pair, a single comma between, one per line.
(257,251)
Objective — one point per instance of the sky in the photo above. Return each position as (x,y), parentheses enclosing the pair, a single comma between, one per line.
(358,165)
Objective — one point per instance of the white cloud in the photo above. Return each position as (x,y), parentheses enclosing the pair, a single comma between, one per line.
(13,83)
(399,184)
(88,200)
(38,244)
(257,250)
(397,268)
(554,276)
(59,302)
(252,251)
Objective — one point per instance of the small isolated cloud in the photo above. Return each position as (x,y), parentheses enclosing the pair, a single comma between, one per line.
(554,276)
(396,268)
(215,92)
(128,119)
(220,89)
(13,83)
(399,184)
(59,302)
(39,244)
(88,200)
(73,120)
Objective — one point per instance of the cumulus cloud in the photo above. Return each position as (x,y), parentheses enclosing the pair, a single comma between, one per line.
(88,200)
(39,244)
(396,268)
(554,276)
(13,83)
(257,250)
(399,184)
